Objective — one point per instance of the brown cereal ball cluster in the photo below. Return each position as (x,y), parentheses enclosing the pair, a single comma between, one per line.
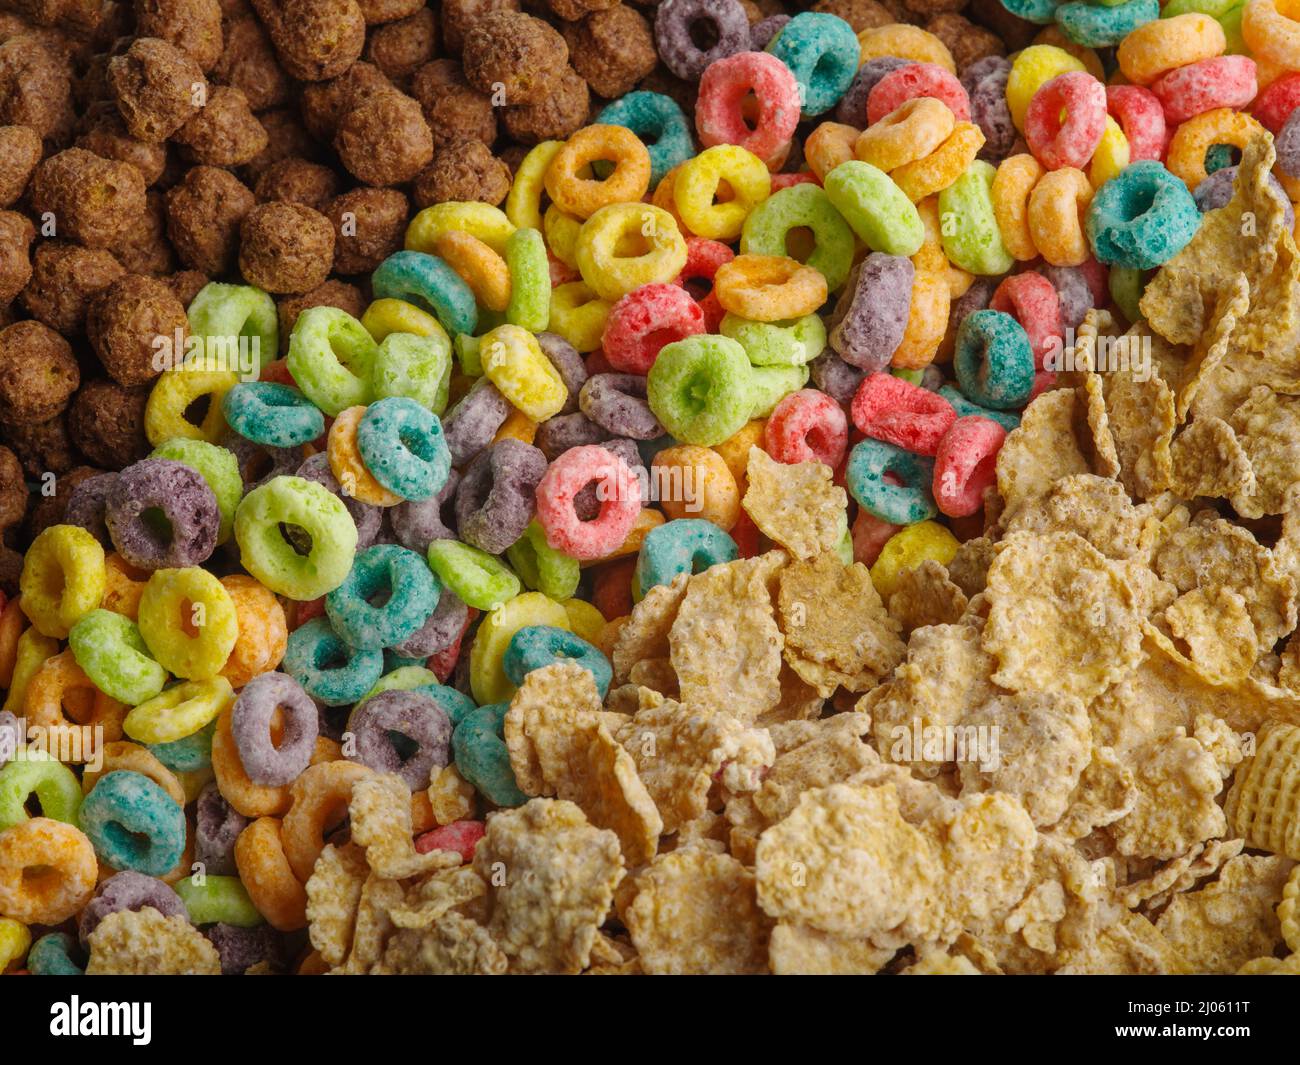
(193,26)
(314,39)
(860,14)
(285,247)
(90,198)
(612,49)
(560,115)
(369,225)
(42,447)
(225,132)
(38,372)
(106,423)
(331,294)
(286,138)
(379,11)
(49,509)
(204,213)
(573,10)
(142,247)
(326,102)
(400,48)
(64,278)
(20,151)
(158,88)
(13,490)
(459,15)
(297,181)
(248,63)
(126,322)
(16,236)
(966,41)
(385,140)
(514,56)
(185,284)
(104,133)
(462,170)
(35,88)
(453,108)
(928,9)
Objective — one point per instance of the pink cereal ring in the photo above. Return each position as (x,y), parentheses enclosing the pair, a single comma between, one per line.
(1142,118)
(703,257)
(870,534)
(784,181)
(917,79)
(1224,81)
(720,112)
(1058,144)
(459,836)
(806,425)
(646,319)
(966,464)
(1032,301)
(898,412)
(1275,104)
(617,488)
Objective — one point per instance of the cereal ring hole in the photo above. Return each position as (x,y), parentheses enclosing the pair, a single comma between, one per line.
(297,538)
(703,33)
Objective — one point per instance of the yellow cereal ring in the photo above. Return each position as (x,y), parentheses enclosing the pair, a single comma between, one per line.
(188,622)
(610,267)
(907,549)
(906,42)
(584,619)
(175,391)
(15,941)
(696,186)
(515,363)
(63,579)
(524,203)
(481,220)
(179,711)
(578,315)
(1111,156)
(487,677)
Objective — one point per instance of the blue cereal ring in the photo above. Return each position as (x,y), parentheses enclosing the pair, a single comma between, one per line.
(905,498)
(412,589)
(993,361)
(964,407)
(1039,12)
(1098,26)
(660,123)
(272,415)
(536,646)
(453,702)
(134,824)
(822,52)
(429,283)
(1142,217)
(51,955)
(479,749)
(329,670)
(403,447)
(683,545)
(189,754)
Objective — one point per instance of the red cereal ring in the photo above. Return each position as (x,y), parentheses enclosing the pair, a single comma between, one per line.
(898,412)
(917,79)
(784,181)
(966,463)
(459,836)
(617,489)
(1224,81)
(1276,103)
(703,257)
(721,114)
(1032,301)
(1142,118)
(870,534)
(445,660)
(807,425)
(1098,278)
(646,319)
(1072,142)
(561,273)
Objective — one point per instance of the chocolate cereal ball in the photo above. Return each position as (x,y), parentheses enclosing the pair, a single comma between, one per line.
(612,49)
(13,490)
(285,247)
(104,133)
(516,57)
(966,41)
(561,115)
(204,213)
(20,151)
(225,132)
(16,236)
(377,11)
(286,138)
(194,26)
(157,87)
(400,48)
(185,284)
(369,225)
(41,447)
(48,510)
(462,170)
(860,14)
(142,246)
(38,372)
(248,63)
(385,140)
(90,198)
(453,109)
(459,15)
(573,10)
(125,322)
(326,102)
(297,181)
(314,39)
(35,89)
(106,423)
(331,294)
(64,278)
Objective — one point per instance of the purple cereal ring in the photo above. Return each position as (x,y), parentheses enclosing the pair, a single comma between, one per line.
(989,110)
(497,495)
(872,311)
(836,377)
(242,948)
(556,435)
(973,73)
(472,423)
(440,629)
(266,762)
(162,515)
(568,364)
(411,715)
(762,32)
(1072,290)
(128,890)
(975,298)
(88,505)
(852,108)
(368,519)
(1287,146)
(259,464)
(416,523)
(217,825)
(617,403)
(677,48)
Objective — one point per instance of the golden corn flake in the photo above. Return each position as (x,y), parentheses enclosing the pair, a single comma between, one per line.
(1263,804)
(657,674)
(797,950)
(799,701)
(1177,781)
(796,505)
(1209,460)
(145,943)
(435,896)
(1106,791)
(379,896)
(938,963)
(380,813)
(333,893)
(1176,876)
(987,848)
(926,596)
(1092,427)
(1268,427)
(833,751)
(450,795)
(551,707)
(1096,508)
(1211,348)
(1142,420)
(452,946)
(1040,450)
(969,568)
(1271,967)
(645,635)
(1131,945)
(1214,626)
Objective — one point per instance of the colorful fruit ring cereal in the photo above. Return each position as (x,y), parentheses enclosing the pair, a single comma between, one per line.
(877,210)
(62,580)
(271,759)
(1275,104)
(1271,31)
(188,622)
(516,364)
(224,315)
(646,319)
(695,189)
(617,490)
(1195,137)
(488,681)
(266,874)
(652,116)
(479,747)
(966,464)
(368,519)
(1111,156)
(769,288)
(852,108)
(612,274)
(696,481)
(1066,119)
(720,113)
(676,19)
(332,357)
(994,361)
(700,389)
(911,131)
(37,774)
(402,445)
(986,83)
(906,42)
(1032,301)
(530,281)
(47,871)
(524,200)
(430,283)
(407,586)
(1102,26)
(180,711)
(495,500)
(472,423)
(537,646)
(1056,208)
(891,483)
(900,413)
(349,467)
(871,317)
(769,225)
(907,549)
(1142,218)
(807,425)
(827,146)
(133,823)
(581,196)
(217,465)
(1032,67)
(917,80)
(793,343)
(162,514)
(970,236)
(481,580)
(941,167)
(481,268)
(578,315)
(412,715)
(51,955)
(823,52)
(272,414)
(440,629)
(768,385)
(683,545)
(1012,187)
(1165,44)
(329,669)
(109,649)
(703,257)
(1223,81)
(418,524)
(218,900)
(1142,118)
(52,686)
(176,391)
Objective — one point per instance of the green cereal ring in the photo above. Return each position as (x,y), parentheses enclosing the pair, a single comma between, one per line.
(111,652)
(877,209)
(793,342)
(541,567)
(273,560)
(415,367)
(53,783)
(478,579)
(216,465)
(806,205)
(332,358)
(530,280)
(51,955)
(700,389)
(402,679)
(218,900)
(771,384)
(968,229)
(479,748)
(1126,284)
(467,354)
(190,753)
(229,317)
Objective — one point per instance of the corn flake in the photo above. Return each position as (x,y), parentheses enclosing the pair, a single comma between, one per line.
(380,812)
(796,505)
(1209,460)
(925,596)
(1142,419)
(1039,451)
(646,633)
(797,950)
(452,946)
(145,943)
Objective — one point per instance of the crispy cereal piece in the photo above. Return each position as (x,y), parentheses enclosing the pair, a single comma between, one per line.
(1092,427)
(969,568)
(333,894)
(1176,876)
(795,504)
(451,796)
(380,812)
(379,896)
(799,701)
(926,596)
(1177,781)
(939,963)
(1288,911)
(832,751)
(1105,792)
(797,950)
(452,946)
(1263,804)
(145,943)
(1209,460)
(987,847)
(1040,451)
(1211,348)
(646,633)
(1214,625)
(435,896)
(1061,618)
(1131,945)
(1097,508)
(559,695)
(1142,420)
(551,878)
(1271,966)
(1268,427)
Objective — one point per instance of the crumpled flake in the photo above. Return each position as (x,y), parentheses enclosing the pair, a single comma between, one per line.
(1211,348)
(832,751)
(1092,427)
(551,877)
(1039,451)
(1209,460)
(380,816)
(925,595)
(939,963)
(145,943)
(451,796)
(799,700)
(695,912)
(333,893)
(657,674)
(1179,874)
(1096,508)
(1214,625)
(436,895)
(1105,792)
(1268,426)
(452,946)
(1263,804)
(797,950)
(1271,967)
(969,568)
(1142,420)
(646,633)
(550,706)
(1060,618)
(796,505)
(373,926)
(1131,945)
(1177,780)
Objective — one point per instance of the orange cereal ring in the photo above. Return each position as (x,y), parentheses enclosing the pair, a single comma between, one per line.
(1012,186)
(576,193)
(517,426)
(906,42)
(278,895)
(908,133)
(478,265)
(263,630)
(695,482)
(830,144)
(124,586)
(1192,139)
(735,449)
(942,166)
(125,755)
(1056,206)
(769,288)
(12,623)
(320,799)
(1272,30)
(648,519)
(1159,46)
(48,871)
(346,464)
(61,685)
(927,319)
